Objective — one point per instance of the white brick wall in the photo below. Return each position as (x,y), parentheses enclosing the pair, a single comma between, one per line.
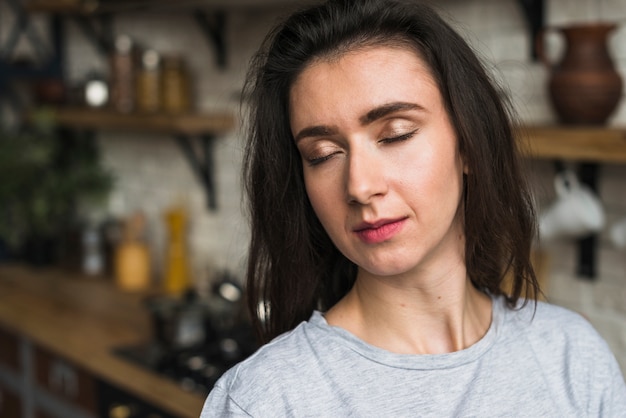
(152,173)
(497,31)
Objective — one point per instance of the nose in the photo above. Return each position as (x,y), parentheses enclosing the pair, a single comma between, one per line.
(365,177)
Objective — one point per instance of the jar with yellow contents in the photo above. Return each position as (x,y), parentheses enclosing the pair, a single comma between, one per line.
(149,83)
(175,85)
(177,274)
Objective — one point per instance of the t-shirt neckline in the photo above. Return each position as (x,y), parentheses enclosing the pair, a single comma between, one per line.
(415,361)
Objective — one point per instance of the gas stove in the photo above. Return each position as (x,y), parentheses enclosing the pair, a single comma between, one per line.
(196,339)
(195,369)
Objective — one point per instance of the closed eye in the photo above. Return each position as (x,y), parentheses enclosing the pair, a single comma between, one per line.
(399,138)
(319,160)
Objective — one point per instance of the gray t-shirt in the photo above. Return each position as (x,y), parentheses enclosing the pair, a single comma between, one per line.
(552,364)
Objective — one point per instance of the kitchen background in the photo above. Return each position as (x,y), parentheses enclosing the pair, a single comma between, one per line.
(151,174)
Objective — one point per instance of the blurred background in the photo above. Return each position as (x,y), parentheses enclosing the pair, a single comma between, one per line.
(121,214)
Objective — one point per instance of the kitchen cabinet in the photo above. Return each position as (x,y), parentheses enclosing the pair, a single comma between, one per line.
(34,380)
(9,351)
(65,381)
(10,401)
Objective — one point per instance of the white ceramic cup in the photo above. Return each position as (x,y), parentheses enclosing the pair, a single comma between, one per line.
(575,213)
(617,234)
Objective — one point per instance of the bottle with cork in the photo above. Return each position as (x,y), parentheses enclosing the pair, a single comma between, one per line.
(177,275)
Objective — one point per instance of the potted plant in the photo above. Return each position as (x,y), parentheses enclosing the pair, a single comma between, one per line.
(46,174)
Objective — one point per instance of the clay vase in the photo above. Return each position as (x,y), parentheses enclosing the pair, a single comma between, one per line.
(584,86)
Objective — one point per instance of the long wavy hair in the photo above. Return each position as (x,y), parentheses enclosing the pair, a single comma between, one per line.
(293,267)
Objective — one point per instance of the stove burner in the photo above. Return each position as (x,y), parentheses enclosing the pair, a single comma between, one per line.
(194,369)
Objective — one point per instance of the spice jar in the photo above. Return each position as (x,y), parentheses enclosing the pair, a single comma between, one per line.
(132,256)
(175,86)
(149,83)
(122,75)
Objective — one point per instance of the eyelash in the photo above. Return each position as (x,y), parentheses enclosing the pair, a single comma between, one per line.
(319,160)
(399,138)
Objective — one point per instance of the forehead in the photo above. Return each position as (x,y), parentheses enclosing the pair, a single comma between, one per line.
(363,77)
(392,47)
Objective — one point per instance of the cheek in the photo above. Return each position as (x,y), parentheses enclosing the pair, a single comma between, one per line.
(325,198)
(316,191)
(431,176)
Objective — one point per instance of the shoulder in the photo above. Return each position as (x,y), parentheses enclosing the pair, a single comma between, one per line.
(555,324)
(272,372)
(279,356)
(574,360)
(559,336)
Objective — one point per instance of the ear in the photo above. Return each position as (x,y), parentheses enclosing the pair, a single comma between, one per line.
(465,165)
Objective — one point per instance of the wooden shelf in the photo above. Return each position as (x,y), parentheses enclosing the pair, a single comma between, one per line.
(583,144)
(202,128)
(184,124)
(94,7)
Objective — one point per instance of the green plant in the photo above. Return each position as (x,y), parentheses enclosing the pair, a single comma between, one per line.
(46,174)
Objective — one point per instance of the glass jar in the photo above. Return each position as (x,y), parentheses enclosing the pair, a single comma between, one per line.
(175,86)
(149,83)
(122,75)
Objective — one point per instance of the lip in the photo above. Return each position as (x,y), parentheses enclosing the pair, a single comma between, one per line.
(379,231)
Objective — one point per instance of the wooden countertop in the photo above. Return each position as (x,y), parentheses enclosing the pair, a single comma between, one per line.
(82,319)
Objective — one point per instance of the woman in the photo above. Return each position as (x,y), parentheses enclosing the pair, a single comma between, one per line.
(387,207)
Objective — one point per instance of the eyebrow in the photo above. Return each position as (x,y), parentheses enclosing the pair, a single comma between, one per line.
(387,109)
(371,116)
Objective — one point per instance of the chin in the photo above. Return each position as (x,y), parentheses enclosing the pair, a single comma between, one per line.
(389,270)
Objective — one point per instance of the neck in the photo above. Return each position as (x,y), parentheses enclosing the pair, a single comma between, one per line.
(441,315)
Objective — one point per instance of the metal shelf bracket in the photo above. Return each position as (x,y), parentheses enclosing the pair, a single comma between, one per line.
(213,26)
(98,30)
(534,12)
(587,246)
(201,162)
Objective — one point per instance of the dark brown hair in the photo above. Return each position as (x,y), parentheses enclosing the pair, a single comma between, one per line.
(293,267)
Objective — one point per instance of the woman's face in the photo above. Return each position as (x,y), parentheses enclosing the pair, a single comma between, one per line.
(380,158)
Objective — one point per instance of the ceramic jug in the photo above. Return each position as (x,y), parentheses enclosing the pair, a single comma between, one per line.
(584,87)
